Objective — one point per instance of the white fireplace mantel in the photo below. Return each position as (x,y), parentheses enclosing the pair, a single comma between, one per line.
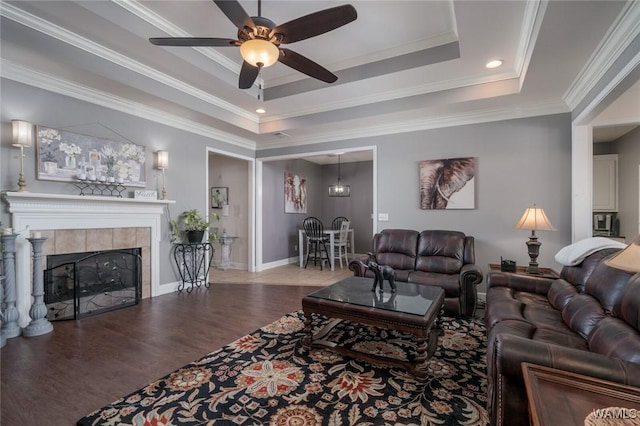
(36,211)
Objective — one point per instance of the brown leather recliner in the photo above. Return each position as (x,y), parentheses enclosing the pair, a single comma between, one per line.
(586,322)
(434,258)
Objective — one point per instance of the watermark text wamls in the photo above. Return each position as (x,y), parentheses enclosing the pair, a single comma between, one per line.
(616,413)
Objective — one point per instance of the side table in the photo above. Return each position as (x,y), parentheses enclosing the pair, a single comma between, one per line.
(562,398)
(193,261)
(522,270)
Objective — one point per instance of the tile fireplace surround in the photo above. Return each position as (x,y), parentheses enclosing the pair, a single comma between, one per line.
(75,223)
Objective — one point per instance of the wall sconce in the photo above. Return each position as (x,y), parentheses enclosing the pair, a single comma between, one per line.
(162,163)
(534,219)
(22,138)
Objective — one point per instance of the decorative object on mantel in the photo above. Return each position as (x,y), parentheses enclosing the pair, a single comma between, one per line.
(10,315)
(104,189)
(144,194)
(162,163)
(22,138)
(68,157)
(534,219)
(39,324)
(191,226)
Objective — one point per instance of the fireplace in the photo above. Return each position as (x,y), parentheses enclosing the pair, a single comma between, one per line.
(73,223)
(77,285)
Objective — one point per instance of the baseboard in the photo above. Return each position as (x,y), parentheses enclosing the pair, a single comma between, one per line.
(277,263)
(168,288)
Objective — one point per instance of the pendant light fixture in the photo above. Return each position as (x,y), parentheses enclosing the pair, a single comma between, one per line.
(339,190)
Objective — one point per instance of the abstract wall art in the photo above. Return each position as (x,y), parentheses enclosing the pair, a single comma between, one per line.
(447,184)
(295,193)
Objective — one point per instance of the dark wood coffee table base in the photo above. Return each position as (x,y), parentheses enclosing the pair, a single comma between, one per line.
(425,329)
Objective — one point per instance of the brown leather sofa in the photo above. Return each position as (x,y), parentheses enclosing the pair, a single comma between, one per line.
(434,258)
(586,322)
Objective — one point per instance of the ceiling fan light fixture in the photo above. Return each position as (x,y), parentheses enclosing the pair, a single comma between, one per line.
(259,53)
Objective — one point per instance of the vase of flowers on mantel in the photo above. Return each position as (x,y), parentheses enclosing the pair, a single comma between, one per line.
(71,151)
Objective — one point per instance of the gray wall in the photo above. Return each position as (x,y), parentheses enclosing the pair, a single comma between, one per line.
(358,207)
(185,179)
(280,229)
(628,149)
(519,163)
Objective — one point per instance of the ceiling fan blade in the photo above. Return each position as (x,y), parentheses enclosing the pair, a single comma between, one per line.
(306,66)
(248,74)
(193,41)
(316,23)
(236,14)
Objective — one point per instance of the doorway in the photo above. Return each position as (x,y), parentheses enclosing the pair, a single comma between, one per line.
(230,202)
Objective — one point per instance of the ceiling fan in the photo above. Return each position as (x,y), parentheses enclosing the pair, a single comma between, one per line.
(259,39)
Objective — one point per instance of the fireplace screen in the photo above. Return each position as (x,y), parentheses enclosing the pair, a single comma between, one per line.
(78,285)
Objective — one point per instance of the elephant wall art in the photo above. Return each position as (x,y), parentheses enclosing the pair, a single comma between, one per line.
(447,183)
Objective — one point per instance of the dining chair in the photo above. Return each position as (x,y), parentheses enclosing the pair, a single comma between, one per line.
(316,240)
(340,244)
(335,224)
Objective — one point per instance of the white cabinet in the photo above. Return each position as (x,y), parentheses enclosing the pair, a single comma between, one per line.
(605,183)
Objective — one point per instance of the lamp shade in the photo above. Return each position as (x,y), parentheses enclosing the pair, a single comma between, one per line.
(163,160)
(535,219)
(259,53)
(627,259)
(22,133)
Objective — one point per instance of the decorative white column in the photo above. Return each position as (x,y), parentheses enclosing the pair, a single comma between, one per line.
(10,326)
(39,324)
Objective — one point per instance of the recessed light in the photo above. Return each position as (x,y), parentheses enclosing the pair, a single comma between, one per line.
(261,110)
(494,64)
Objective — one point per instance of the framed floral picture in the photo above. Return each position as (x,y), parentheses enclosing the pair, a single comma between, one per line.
(69,157)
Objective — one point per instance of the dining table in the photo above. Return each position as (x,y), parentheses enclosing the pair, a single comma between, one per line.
(332,233)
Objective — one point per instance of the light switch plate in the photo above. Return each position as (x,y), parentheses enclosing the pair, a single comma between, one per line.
(383,217)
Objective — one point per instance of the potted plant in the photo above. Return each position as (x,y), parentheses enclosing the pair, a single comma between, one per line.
(193,225)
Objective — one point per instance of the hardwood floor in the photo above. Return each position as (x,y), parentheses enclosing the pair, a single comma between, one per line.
(83,365)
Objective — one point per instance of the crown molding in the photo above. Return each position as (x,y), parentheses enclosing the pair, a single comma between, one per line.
(391,95)
(620,35)
(531,22)
(24,18)
(60,86)
(471,117)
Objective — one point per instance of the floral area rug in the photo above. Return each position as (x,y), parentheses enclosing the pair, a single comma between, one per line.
(269,378)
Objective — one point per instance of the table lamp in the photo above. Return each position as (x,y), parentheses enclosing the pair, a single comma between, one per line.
(534,219)
(627,259)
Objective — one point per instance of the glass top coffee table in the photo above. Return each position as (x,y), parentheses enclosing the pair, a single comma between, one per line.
(413,308)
